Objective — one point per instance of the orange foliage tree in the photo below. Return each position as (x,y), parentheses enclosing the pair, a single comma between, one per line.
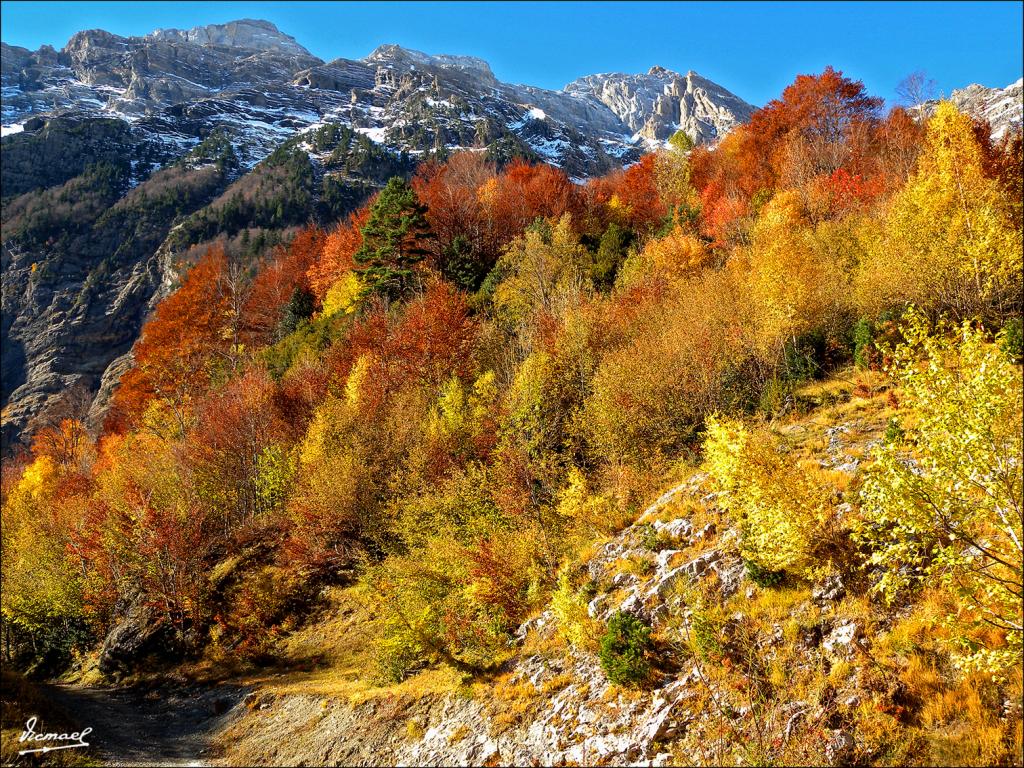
(277,281)
(336,256)
(179,345)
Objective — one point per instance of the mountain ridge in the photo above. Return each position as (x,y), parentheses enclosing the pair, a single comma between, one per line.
(130,77)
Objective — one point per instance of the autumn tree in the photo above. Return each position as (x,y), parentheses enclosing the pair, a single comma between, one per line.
(900,139)
(466,246)
(782,510)
(180,344)
(945,244)
(807,132)
(944,503)
(545,273)
(283,278)
(337,258)
(635,199)
(147,531)
(41,601)
(239,466)
(793,285)
(524,193)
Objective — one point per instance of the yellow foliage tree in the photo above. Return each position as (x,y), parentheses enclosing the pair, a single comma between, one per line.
(946,505)
(791,283)
(544,275)
(41,596)
(672,257)
(781,510)
(343,296)
(945,246)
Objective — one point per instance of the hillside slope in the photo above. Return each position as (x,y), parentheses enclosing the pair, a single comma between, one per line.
(745,673)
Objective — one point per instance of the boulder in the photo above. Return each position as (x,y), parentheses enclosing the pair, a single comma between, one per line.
(841,641)
(840,748)
(831,590)
(141,633)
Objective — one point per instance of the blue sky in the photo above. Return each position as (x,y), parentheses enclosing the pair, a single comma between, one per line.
(752,48)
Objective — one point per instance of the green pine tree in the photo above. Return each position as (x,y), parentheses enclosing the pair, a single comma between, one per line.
(394,241)
(299,308)
(610,254)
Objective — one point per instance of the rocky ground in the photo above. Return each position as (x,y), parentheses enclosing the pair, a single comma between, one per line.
(552,705)
(162,727)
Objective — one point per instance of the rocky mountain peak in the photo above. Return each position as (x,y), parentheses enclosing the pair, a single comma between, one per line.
(251,34)
(657,104)
(93,38)
(396,55)
(1003,108)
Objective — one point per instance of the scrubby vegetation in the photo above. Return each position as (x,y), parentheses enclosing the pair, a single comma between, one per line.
(451,397)
(624,649)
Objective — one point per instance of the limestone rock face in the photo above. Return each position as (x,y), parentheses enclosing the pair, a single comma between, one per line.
(1003,108)
(661,102)
(253,34)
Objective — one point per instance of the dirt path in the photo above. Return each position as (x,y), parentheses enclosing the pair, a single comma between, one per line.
(164,727)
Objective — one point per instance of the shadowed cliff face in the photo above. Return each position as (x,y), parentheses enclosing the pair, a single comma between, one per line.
(81,259)
(124,155)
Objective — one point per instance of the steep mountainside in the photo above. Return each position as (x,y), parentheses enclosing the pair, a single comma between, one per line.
(264,86)
(120,154)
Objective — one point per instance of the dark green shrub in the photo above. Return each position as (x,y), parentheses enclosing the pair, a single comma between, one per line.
(804,357)
(763,577)
(863,347)
(893,431)
(652,539)
(1012,342)
(624,649)
(611,252)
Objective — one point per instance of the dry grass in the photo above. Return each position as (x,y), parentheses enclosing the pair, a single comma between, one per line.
(333,657)
(556,683)
(641,567)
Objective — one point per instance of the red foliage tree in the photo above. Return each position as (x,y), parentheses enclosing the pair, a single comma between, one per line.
(524,193)
(277,281)
(173,354)
(451,192)
(637,192)
(432,341)
(336,256)
(224,450)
